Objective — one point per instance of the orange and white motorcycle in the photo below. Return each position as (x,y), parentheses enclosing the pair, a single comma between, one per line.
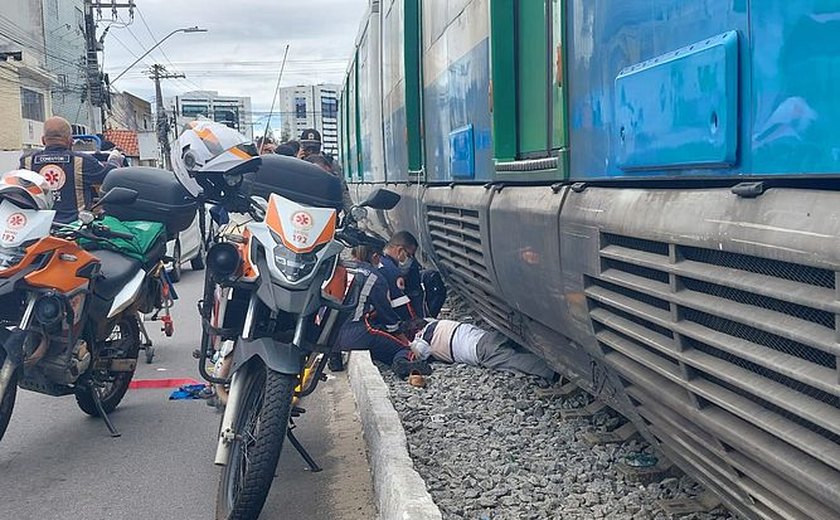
(68,316)
(274,298)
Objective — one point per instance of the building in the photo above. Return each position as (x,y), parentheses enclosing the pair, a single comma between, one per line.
(311,106)
(25,82)
(131,128)
(232,111)
(129,112)
(65,49)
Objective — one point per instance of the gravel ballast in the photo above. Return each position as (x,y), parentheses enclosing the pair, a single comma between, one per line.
(488,446)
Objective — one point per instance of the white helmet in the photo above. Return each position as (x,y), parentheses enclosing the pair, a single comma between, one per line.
(26,189)
(209,147)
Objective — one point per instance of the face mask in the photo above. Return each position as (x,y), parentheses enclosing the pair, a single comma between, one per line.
(406,264)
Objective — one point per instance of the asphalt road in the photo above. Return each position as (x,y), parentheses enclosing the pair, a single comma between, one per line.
(57,463)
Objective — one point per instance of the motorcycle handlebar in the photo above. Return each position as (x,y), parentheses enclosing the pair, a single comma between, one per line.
(354,237)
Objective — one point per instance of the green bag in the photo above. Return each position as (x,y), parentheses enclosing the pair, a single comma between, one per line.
(146,235)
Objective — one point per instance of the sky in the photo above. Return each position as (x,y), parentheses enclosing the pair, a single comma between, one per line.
(242,51)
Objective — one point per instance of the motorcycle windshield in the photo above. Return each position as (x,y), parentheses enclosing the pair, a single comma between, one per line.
(18,226)
(301,229)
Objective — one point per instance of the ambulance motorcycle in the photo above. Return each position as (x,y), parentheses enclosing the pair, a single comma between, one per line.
(68,317)
(275,295)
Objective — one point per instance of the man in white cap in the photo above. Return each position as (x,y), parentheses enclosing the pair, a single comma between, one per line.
(456,342)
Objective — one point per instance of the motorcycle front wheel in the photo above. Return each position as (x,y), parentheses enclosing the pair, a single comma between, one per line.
(124,343)
(7,400)
(260,431)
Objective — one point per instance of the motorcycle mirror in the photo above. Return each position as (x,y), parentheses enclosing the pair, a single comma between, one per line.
(358,213)
(381,199)
(86,217)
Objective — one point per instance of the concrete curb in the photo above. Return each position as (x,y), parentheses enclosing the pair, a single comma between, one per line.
(400,491)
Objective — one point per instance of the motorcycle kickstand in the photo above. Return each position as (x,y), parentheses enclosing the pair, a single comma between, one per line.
(97,401)
(313,466)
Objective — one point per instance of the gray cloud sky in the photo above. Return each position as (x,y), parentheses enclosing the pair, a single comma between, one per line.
(242,52)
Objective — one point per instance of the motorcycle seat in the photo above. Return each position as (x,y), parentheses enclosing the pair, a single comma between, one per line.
(116,270)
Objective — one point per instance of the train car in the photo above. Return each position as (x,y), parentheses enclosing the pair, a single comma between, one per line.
(643,192)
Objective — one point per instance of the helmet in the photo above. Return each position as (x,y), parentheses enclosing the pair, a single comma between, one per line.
(209,147)
(26,189)
(310,139)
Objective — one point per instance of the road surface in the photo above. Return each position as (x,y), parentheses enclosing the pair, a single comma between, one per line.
(57,463)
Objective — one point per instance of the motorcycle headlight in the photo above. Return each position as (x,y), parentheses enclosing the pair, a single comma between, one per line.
(294,266)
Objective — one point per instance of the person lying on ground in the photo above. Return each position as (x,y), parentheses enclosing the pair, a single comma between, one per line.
(456,342)
(374,325)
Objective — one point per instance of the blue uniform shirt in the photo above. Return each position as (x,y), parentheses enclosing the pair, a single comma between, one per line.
(73,177)
(393,275)
(373,298)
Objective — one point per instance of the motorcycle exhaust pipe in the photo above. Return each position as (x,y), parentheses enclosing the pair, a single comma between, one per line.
(226,432)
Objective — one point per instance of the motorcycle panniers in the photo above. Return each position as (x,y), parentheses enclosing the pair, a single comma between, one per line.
(161,198)
(296,180)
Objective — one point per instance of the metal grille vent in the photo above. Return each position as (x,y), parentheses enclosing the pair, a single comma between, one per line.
(732,359)
(457,242)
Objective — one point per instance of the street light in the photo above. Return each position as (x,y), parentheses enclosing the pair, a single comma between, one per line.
(195,29)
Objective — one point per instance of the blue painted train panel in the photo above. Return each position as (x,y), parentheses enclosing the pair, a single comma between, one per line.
(795,77)
(457,78)
(456,100)
(609,36)
(681,109)
(788,63)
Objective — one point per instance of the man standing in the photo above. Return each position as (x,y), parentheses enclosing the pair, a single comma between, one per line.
(455,342)
(73,177)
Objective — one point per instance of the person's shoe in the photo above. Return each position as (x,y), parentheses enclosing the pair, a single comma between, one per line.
(336,362)
(403,367)
(417,379)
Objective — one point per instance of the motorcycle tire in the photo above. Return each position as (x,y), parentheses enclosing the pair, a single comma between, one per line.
(246,479)
(129,332)
(7,401)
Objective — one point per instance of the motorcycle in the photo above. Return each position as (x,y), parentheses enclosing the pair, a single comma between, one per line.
(69,307)
(275,296)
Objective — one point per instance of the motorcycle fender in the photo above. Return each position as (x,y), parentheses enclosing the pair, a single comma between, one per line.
(280,357)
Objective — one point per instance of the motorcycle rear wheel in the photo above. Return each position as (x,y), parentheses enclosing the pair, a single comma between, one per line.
(261,429)
(7,401)
(113,392)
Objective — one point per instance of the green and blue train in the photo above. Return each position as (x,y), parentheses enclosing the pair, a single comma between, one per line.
(644,192)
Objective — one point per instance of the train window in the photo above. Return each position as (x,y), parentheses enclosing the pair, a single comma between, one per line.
(529,118)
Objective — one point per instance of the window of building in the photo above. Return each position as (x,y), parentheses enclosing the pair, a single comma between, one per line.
(300,107)
(329,107)
(190,110)
(32,104)
(227,116)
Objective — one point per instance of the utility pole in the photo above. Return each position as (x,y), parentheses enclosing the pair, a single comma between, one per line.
(97,92)
(157,73)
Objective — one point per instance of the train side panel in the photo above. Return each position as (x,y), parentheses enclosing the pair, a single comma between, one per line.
(456,77)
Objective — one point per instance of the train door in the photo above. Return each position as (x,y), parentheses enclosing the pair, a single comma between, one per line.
(529,114)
